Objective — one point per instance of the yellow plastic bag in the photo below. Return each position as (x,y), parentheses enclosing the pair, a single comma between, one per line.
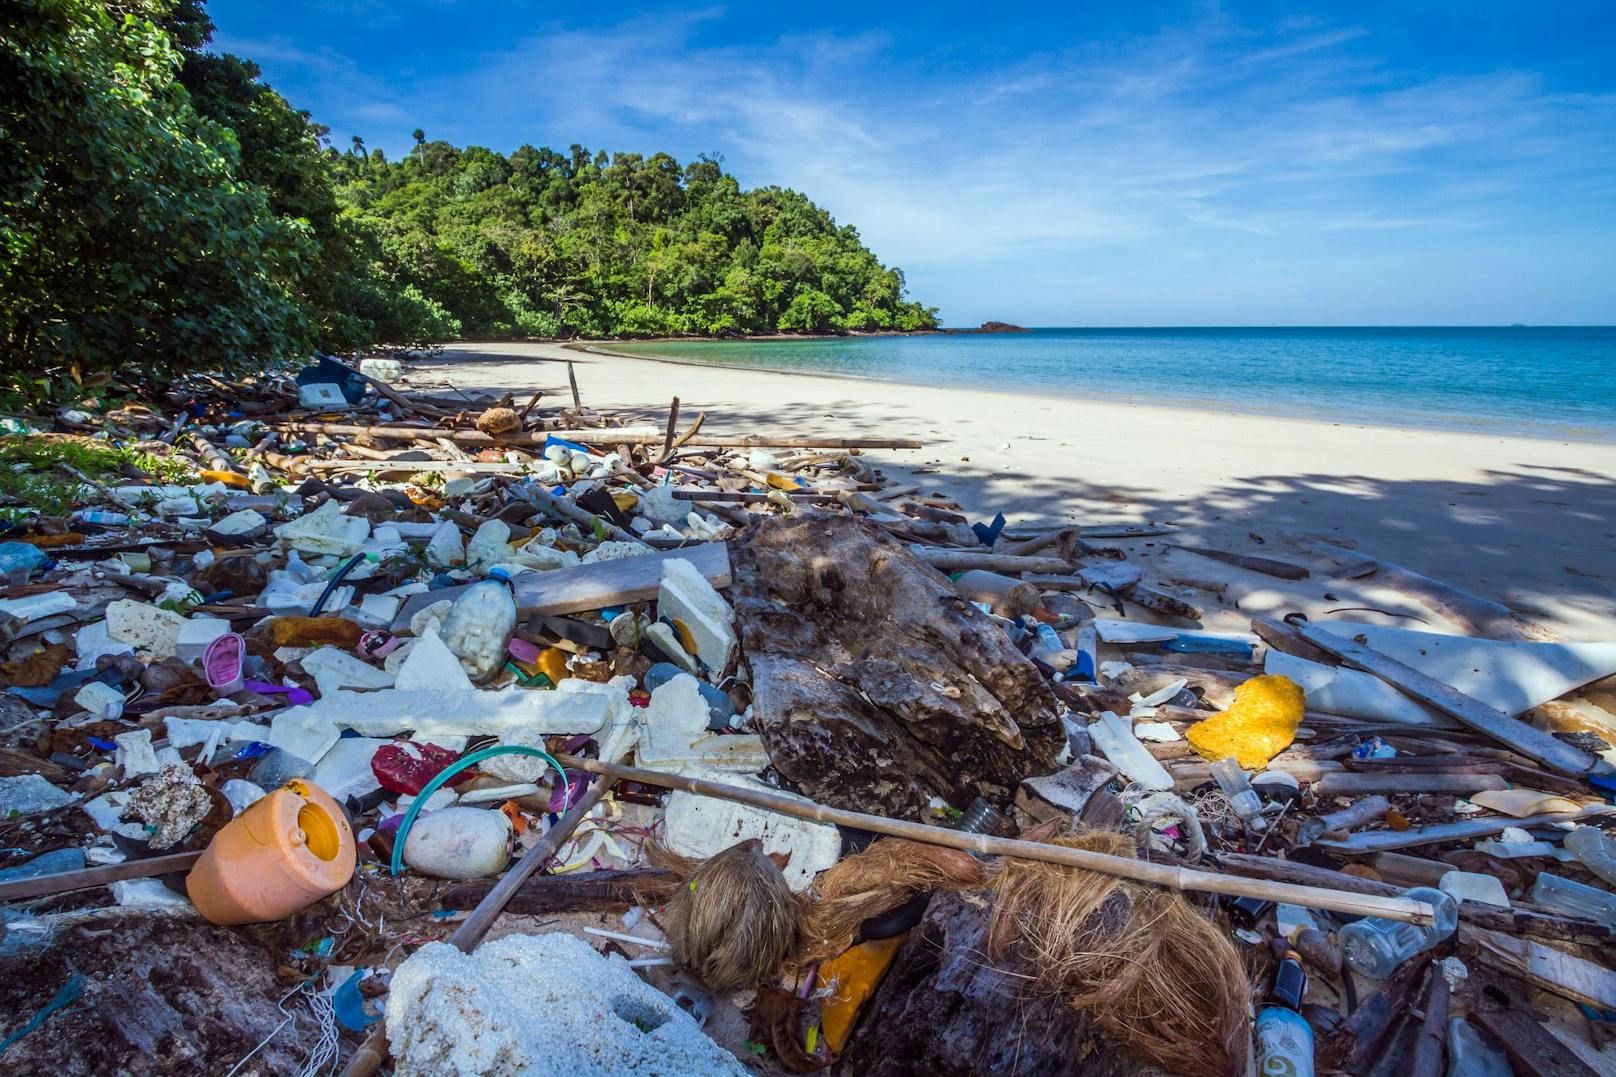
(1259,725)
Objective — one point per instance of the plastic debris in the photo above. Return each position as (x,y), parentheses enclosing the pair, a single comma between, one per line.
(1259,725)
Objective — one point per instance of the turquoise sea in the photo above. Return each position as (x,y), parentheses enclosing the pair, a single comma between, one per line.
(1545,382)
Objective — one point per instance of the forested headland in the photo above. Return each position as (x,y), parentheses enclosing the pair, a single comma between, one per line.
(163,209)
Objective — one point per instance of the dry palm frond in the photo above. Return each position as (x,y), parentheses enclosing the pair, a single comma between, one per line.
(1149,969)
(881,878)
(735,919)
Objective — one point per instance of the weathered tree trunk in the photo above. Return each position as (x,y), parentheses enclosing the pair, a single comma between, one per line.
(876,687)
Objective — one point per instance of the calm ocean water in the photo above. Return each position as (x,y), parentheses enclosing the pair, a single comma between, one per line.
(1546,382)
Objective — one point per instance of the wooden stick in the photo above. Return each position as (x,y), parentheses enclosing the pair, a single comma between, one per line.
(603,435)
(373,1052)
(750,497)
(1527,740)
(63,881)
(1265,565)
(534,494)
(956,560)
(1167,875)
(572,380)
(682,439)
(673,428)
(1376,841)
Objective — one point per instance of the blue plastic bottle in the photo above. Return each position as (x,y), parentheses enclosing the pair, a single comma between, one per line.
(1284,1038)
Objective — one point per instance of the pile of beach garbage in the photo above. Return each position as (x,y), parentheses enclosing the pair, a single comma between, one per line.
(787,762)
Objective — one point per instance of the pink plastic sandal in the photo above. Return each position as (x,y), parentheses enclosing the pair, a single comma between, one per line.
(222,662)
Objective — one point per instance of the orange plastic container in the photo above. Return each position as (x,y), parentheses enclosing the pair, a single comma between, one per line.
(284,853)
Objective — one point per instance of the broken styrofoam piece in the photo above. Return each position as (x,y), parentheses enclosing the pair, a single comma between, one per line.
(537,553)
(676,736)
(196,633)
(446,548)
(147,894)
(326,530)
(459,712)
(1352,693)
(379,610)
(344,770)
(666,640)
(92,641)
(619,713)
(1160,695)
(101,700)
(184,732)
(490,545)
(525,1004)
(387,370)
(1471,886)
(170,803)
(432,666)
(1113,736)
(1156,732)
(1119,630)
(29,794)
(699,826)
(144,626)
(239,522)
(334,669)
(698,610)
(459,843)
(488,794)
(242,794)
(306,734)
(440,799)
(106,811)
(134,755)
(34,607)
(479,625)
(1511,676)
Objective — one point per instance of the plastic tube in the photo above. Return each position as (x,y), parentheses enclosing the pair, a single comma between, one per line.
(450,771)
(325,596)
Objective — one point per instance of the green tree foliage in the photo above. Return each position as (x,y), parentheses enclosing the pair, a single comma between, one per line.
(547,244)
(128,240)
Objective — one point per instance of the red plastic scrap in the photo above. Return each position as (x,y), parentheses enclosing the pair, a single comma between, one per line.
(406,768)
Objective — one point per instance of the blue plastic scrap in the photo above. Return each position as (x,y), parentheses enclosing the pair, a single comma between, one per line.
(989,533)
(349,1004)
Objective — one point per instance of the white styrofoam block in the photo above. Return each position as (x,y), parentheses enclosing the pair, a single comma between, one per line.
(33,607)
(305,733)
(432,666)
(699,826)
(445,548)
(101,700)
(326,530)
(134,755)
(459,712)
(380,609)
(239,522)
(687,599)
(145,626)
(667,641)
(184,732)
(520,1003)
(344,771)
(676,736)
(195,635)
(334,669)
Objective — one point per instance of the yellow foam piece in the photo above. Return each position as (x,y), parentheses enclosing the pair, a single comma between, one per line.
(1259,724)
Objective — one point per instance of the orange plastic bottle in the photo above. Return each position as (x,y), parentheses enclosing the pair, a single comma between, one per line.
(284,853)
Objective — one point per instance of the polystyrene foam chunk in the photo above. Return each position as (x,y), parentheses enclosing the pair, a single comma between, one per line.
(34,607)
(688,600)
(305,733)
(334,669)
(92,641)
(326,530)
(146,627)
(432,666)
(527,1004)
(676,736)
(490,545)
(135,755)
(699,826)
(344,771)
(184,732)
(445,547)
(460,712)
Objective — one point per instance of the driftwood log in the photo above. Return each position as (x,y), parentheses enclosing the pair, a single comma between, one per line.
(876,686)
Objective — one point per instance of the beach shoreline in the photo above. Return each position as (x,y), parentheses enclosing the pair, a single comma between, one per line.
(1530,522)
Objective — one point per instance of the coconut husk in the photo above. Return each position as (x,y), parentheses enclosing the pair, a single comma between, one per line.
(498,421)
(734,920)
(881,878)
(1145,965)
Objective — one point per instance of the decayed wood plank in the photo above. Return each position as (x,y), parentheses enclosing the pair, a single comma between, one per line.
(1265,565)
(1529,741)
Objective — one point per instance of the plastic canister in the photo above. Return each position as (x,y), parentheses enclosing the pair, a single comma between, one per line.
(281,855)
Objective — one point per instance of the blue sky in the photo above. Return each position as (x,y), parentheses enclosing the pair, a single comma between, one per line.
(1084,164)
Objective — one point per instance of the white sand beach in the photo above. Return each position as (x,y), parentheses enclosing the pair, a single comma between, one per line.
(1524,521)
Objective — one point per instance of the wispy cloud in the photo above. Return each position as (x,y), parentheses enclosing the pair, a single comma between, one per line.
(1204,137)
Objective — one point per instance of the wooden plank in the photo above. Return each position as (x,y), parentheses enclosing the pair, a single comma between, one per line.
(1566,975)
(1265,565)
(588,587)
(1376,841)
(1529,741)
(1533,1050)
(63,881)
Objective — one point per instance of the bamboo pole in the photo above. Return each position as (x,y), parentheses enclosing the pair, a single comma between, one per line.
(373,1052)
(1168,875)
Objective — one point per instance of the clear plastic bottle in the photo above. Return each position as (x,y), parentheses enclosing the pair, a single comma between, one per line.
(277,767)
(1574,899)
(1375,946)
(1596,851)
(1231,778)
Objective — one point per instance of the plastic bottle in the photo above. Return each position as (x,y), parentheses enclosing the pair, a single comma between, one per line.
(21,557)
(1375,947)
(102,517)
(981,818)
(277,767)
(1596,851)
(1284,1038)
(479,625)
(1470,1055)
(1242,797)
(1574,899)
